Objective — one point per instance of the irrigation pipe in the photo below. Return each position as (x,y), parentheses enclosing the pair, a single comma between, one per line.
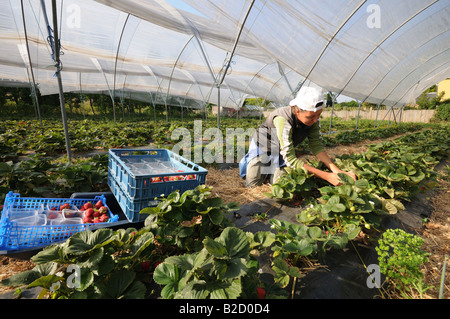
(444,269)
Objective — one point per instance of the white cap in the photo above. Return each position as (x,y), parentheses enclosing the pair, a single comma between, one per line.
(308,99)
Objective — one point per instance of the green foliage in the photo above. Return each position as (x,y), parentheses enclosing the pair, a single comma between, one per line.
(295,183)
(213,273)
(424,102)
(400,257)
(40,175)
(109,264)
(185,220)
(443,112)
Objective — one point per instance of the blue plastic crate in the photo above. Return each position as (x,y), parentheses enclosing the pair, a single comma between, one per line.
(25,222)
(137,177)
(130,207)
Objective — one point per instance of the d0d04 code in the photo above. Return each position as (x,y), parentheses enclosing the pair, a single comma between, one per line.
(245,308)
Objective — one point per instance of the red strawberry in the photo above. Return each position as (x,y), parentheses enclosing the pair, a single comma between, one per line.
(96,213)
(64,206)
(103,210)
(96,220)
(89,212)
(157,263)
(104,218)
(146,265)
(88,205)
(261,292)
(52,215)
(87,220)
(99,204)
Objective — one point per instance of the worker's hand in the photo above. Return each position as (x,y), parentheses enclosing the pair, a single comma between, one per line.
(351,174)
(335,180)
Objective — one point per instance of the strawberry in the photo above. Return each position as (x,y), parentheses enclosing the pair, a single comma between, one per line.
(89,212)
(87,220)
(64,206)
(156,179)
(88,205)
(96,213)
(52,215)
(99,204)
(104,218)
(96,220)
(53,208)
(146,265)
(157,263)
(261,292)
(103,210)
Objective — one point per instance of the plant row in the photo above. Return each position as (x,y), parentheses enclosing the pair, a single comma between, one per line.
(20,137)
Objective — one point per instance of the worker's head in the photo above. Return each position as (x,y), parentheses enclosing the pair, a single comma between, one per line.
(308,105)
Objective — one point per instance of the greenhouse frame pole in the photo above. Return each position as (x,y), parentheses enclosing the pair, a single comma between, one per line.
(58,75)
(219,83)
(35,98)
(171,76)
(115,72)
(357,118)
(332,112)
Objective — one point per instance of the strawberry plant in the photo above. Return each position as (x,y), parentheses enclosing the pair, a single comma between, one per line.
(222,269)
(295,184)
(186,219)
(109,263)
(400,257)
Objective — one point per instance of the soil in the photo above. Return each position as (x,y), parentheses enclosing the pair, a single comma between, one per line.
(434,204)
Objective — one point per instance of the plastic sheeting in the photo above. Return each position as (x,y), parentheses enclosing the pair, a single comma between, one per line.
(176,52)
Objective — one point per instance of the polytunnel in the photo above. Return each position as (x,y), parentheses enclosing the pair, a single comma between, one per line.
(216,51)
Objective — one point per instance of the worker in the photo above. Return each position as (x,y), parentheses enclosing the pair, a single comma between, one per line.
(273,145)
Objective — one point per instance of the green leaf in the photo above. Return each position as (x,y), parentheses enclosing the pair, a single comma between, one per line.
(315,232)
(21,279)
(136,290)
(151,210)
(277,191)
(86,278)
(395,177)
(346,179)
(29,276)
(45,281)
(215,248)
(51,253)
(389,191)
(338,208)
(168,275)
(352,231)
(119,281)
(264,238)
(235,242)
(297,230)
(185,261)
(362,183)
(229,269)
(85,241)
(216,216)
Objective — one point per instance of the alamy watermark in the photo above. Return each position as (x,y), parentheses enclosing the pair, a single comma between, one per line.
(73,281)
(374,19)
(374,279)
